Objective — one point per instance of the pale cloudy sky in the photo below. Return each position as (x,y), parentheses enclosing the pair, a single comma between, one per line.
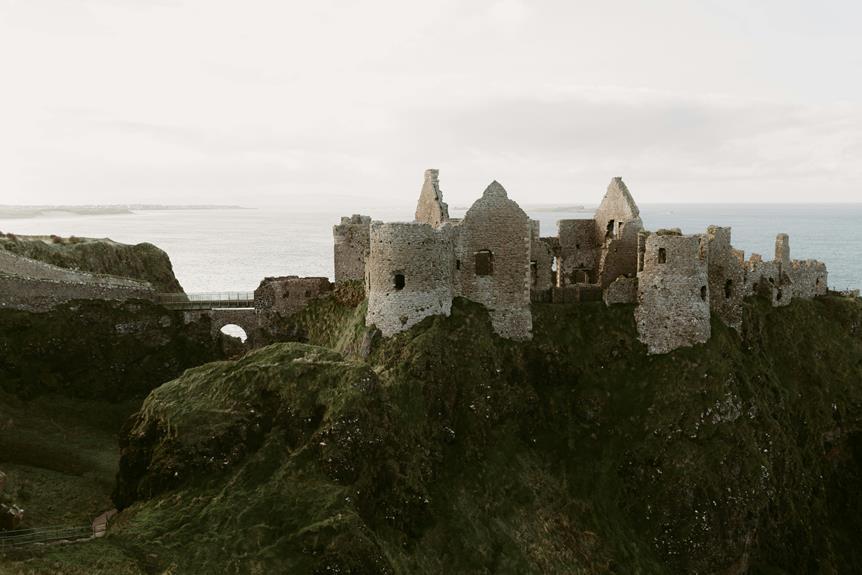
(276,102)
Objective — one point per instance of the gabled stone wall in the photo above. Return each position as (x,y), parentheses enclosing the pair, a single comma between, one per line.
(617,225)
(496,225)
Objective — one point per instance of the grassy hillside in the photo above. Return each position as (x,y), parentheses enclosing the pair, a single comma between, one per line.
(142,261)
(449,450)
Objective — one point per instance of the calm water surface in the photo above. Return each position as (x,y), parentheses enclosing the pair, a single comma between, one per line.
(232,250)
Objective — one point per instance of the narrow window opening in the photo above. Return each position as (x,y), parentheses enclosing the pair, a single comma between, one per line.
(662,256)
(307,293)
(457,264)
(703,293)
(728,289)
(484,263)
(534,273)
(778,295)
(577,246)
(609,234)
(399,281)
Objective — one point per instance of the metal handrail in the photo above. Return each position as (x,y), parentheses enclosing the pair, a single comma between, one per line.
(43,535)
(192,301)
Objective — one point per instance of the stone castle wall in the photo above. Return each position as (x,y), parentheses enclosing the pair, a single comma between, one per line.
(617,225)
(430,209)
(351,247)
(809,278)
(726,277)
(410,269)
(290,294)
(541,261)
(496,228)
(578,242)
(673,293)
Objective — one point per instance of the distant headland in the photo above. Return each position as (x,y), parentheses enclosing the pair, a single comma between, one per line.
(45,211)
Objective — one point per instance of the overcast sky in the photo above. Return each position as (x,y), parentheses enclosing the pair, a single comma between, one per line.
(280,102)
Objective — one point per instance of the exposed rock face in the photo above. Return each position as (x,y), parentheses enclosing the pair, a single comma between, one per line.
(143,262)
(447,450)
(98,349)
(431,209)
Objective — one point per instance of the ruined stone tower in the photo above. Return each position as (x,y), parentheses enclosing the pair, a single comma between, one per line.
(431,209)
(673,292)
(409,275)
(496,256)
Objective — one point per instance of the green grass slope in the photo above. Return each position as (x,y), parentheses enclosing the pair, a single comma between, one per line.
(448,450)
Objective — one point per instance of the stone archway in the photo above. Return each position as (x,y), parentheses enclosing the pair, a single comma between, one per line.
(245,319)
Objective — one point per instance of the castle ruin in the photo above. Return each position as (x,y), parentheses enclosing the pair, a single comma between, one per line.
(496,256)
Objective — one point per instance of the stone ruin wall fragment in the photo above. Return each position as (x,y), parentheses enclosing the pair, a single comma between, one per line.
(351,247)
(496,224)
(673,293)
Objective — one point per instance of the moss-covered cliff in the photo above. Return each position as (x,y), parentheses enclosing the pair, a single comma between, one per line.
(142,261)
(449,450)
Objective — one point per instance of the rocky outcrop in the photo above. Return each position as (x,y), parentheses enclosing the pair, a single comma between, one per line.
(99,349)
(143,261)
(446,449)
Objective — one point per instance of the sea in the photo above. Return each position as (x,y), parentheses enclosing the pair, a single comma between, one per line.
(214,250)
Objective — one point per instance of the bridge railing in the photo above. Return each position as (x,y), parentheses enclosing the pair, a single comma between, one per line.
(200,301)
(43,535)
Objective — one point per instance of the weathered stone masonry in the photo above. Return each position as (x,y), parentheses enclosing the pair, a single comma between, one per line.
(497,257)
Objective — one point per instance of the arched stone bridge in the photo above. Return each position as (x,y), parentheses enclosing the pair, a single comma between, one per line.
(223,309)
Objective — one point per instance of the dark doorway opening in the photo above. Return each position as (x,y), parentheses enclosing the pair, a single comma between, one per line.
(484,263)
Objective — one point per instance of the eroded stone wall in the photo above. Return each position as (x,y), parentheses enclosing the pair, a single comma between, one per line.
(541,261)
(622,290)
(577,264)
(673,293)
(290,294)
(410,269)
(351,247)
(617,225)
(726,277)
(809,278)
(497,227)
(431,209)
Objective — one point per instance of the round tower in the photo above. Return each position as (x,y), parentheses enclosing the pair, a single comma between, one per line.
(408,275)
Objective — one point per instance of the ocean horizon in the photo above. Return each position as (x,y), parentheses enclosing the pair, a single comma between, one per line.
(232,250)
